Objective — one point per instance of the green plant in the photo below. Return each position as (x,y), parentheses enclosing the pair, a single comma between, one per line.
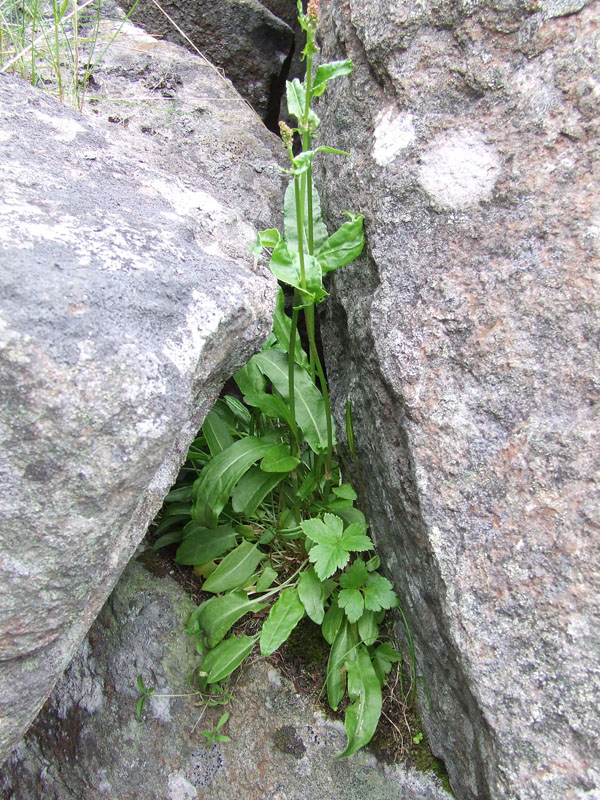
(261,510)
(214,735)
(54,45)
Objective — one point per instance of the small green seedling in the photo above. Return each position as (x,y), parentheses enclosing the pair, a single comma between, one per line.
(146,693)
(214,735)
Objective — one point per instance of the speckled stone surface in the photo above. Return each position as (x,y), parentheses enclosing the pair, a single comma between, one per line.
(467,338)
(88,745)
(128,298)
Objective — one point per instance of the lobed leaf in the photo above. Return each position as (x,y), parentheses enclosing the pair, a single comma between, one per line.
(356,576)
(379,593)
(352,601)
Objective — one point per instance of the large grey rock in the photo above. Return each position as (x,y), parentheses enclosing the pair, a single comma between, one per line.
(242,37)
(88,745)
(467,339)
(127,299)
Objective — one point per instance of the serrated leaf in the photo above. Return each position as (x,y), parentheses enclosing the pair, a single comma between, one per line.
(343,246)
(354,540)
(235,570)
(329,71)
(212,489)
(331,621)
(343,650)
(310,404)
(227,656)
(252,488)
(285,614)
(356,576)
(327,559)
(279,459)
(217,433)
(250,379)
(266,580)
(216,616)
(363,715)
(328,530)
(204,544)
(368,629)
(351,600)
(311,592)
(379,593)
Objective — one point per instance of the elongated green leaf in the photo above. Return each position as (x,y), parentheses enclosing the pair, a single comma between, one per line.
(220,662)
(368,629)
(285,614)
(240,412)
(351,515)
(363,715)
(212,489)
(235,569)
(179,495)
(252,489)
(266,580)
(167,522)
(343,246)
(329,71)
(311,592)
(279,459)
(343,649)
(250,379)
(172,537)
(271,405)
(320,234)
(204,544)
(217,433)
(282,325)
(216,616)
(310,404)
(334,616)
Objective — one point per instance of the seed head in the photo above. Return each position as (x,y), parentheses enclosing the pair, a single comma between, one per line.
(286,134)
(312,13)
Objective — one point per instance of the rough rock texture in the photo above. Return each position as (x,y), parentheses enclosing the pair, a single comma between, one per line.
(467,338)
(243,37)
(88,745)
(127,300)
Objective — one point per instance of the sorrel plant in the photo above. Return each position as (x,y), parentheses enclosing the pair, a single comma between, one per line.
(261,510)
